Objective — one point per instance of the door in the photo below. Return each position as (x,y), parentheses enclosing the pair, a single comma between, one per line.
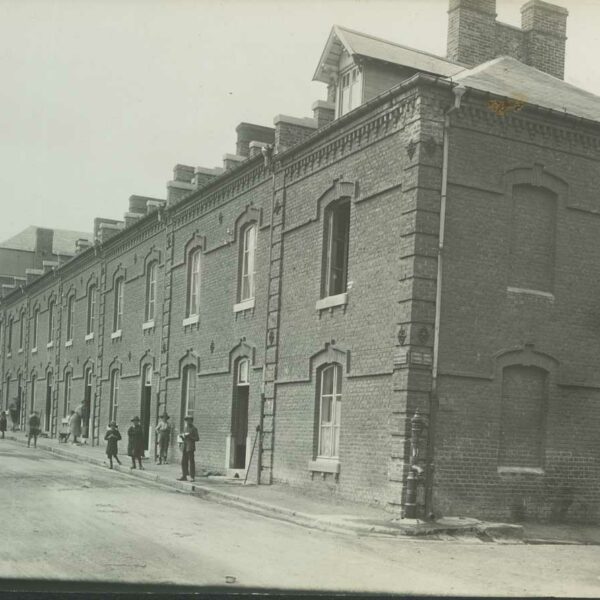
(145,404)
(239,415)
(48,413)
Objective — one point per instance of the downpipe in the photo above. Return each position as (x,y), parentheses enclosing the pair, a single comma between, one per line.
(459,91)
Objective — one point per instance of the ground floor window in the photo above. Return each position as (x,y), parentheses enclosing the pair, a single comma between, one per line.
(188,394)
(329,407)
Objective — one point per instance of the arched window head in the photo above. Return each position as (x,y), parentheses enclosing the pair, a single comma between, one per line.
(335,248)
(91,309)
(329,408)
(193,282)
(118,304)
(151,271)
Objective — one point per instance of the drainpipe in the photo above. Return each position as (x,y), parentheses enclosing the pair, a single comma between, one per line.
(459,92)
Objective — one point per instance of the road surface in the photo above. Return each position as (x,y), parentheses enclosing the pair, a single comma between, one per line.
(70,521)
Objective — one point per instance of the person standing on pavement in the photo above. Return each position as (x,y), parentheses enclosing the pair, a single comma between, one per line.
(135,446)
(112,437)
(75,425)
(190,437)
(14,414)
(2,423)
(163,435)
(34,429)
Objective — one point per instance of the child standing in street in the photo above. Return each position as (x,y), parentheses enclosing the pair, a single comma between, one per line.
(112,436)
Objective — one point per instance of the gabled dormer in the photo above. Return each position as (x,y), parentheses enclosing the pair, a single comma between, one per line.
(357,67)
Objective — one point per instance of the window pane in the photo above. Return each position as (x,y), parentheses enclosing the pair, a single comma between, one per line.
(327,378)
(326,410)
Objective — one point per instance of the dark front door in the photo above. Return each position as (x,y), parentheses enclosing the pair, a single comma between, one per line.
(87,403)
(239,415)
(48,412)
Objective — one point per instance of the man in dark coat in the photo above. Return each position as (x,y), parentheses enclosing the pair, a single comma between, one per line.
(189,438)
(34,429)
(2,423)
(135,446)
(112,437)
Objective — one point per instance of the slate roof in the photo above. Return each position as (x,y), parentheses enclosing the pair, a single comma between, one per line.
(362,44)
(506,76)
(63,241)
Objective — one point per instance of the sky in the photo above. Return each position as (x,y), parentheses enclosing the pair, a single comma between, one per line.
(100,99)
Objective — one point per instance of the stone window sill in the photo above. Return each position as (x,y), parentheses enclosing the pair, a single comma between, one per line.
(245,305)
(116,335)
(89,336)
(520,471)
(191,320)
(332,301)
(148,325)
(49,344)
(9,355)
(33,350)
(524,291)
(20,351)
(68,343)
(324,465)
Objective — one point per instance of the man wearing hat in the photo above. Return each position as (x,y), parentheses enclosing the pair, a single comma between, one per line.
(163,437)
(2,423)
(135,445)
(34,429)
(190,437)
(112,437)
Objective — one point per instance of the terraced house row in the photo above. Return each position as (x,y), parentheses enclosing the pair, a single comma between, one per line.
(399,293)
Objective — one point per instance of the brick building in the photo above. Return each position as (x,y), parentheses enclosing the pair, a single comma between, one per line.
(404,281)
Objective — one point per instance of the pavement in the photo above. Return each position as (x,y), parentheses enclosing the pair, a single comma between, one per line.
(324,513)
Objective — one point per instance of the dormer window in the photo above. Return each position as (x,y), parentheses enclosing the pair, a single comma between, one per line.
(350,91)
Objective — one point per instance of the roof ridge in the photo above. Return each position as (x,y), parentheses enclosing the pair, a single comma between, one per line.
(404,47)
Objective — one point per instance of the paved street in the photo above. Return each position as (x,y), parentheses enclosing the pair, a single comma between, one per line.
(72,521)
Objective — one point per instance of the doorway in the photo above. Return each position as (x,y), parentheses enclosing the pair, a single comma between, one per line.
(145,404)
(239,415)
(48,413)
(87,403)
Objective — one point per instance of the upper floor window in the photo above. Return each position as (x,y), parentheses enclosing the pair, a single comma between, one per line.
(193,283)
(247,272)
(115,380)
(91,309)
(335,259)
(350,91)
(151,290)
(34,329)
(9,335)
(118,308)
(50,320)
(330,405)
(21,330)
(70,316)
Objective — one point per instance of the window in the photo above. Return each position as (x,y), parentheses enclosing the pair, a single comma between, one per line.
(50,320)
(34,333)
(151,291)
(70,315)
(524,391)
(21,330)
(337,230)
(33,382)
(533,238)
(330,403)
(188,393)
(115,380)
(193,292)
(243,368)
(67,399)
(118,309)
(350,94)
(247,263)
(7,392)
(9,336)
(91,309)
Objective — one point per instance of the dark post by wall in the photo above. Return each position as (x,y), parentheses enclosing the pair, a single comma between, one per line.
(44,239)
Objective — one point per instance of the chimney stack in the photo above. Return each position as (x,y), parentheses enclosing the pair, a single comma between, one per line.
(181,185)
(545,28)
(471,31)
(44,239)
(248,132)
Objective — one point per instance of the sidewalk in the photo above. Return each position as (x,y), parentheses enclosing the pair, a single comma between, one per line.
(324,513)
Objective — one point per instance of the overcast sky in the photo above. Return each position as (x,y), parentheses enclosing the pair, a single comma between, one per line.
(99,99)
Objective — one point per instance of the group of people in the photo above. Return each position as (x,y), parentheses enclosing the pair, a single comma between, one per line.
(33,431)
(136,444)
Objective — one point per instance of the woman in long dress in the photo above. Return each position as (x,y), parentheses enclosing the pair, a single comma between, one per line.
(75,425)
